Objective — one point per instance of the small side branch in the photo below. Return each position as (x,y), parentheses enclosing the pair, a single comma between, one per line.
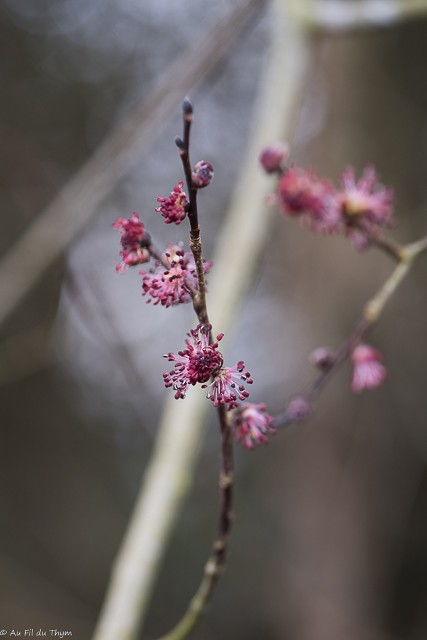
(371,314)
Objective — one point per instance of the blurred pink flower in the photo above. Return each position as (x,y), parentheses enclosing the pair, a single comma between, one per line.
(272,156)
(366,197)
(252,425)
(302,192)
(368,370)
(134,240)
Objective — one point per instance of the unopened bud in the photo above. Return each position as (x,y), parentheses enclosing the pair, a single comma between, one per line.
(180,143)
(272,156)
(187,108)
(323,358)
(202,174)
(298,409)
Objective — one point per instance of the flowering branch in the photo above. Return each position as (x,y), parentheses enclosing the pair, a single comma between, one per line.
(52,231)
(200,361)
(189,368)
(168,475)
(183,144)
(299,407)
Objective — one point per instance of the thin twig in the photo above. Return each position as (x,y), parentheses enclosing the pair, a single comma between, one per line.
(216,563)
(199,297)
(387,245)
(158,255)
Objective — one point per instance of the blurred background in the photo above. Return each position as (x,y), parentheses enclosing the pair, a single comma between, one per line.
(330,537)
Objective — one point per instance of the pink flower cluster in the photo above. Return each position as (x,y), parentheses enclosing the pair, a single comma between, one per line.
(357,209)
(227,387)
(252,425)
(302,192)
(174,208)
(368,370)
(174,285)
(134,240)
(200,362)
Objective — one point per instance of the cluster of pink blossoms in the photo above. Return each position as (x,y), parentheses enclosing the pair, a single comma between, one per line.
(357,209)
(135,242)
(368,370)
(174,208)
(252,425)
(172,280)
(175,285)
(200,362)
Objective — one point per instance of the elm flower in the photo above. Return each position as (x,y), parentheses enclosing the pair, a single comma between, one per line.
(272,156)
(252,425)
(196,363)
(366,197)
(201,361)
(175,285)
(134,240)
(303,192)
(368,370)
(226,386)
(174,208)
(202,174)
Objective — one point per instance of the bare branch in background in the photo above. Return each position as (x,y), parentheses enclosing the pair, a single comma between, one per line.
(344,15)
(372,311)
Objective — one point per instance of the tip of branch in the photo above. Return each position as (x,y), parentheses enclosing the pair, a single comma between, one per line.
(187,109)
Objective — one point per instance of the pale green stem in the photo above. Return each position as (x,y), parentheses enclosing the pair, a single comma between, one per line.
(408,253)
(197,604)
(405,256)
(339,15)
